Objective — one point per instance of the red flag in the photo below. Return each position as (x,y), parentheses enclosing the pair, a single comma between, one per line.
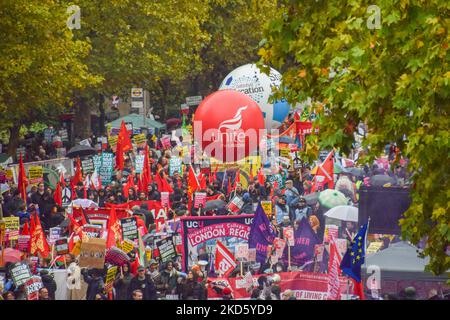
(114,232)
(77,228)
(358,289)
(120,161)
(334,271)
(166,187)
(202,181)
(193,186)
(225,261)
(124,138)
(215,172)
(237,178)
(78,177)
(147,170)
(261,177)
(325,173)
(25,230)
(38,242)
(128,185)
(229,186)
(158,181)
(22,180)
(250,176)
(57,196)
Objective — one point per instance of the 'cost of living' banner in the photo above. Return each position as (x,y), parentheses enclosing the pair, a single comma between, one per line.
(200,235)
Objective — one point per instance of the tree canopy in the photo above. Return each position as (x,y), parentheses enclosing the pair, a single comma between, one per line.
(395,78)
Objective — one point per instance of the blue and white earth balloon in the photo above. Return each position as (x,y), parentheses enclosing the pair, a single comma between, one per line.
(249,80)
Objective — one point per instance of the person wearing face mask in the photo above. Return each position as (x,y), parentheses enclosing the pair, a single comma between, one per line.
(281,210)
(302,210)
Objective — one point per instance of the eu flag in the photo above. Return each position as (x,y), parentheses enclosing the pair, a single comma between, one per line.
(355,255)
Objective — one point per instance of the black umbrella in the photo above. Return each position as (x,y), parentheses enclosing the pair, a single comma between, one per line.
(215,204)
(380,180)
(80,151)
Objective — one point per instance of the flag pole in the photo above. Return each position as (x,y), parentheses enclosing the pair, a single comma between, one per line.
(289,258)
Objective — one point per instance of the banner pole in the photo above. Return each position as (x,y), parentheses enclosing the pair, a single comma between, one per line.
(289,258)
(242,269)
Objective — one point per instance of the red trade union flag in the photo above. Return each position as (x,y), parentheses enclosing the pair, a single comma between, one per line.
(225,261)
(124,138)
(114,232)
(38,242)
(23,181)
(78,177)
(334,272)
(326,172)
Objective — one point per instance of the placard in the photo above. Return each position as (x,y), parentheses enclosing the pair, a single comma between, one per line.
(140,139)
(236,204)
(93,231)
(88,166)
(318,252)
(92,253)
(85,142)
(23,243)
(252,254)
(35,174)
(61,246)
(166,249)
(48,134)
(374,247)
(279,245)
(200,198)
(165,199)
(61,152)
(64,135)
(341,245)
(20,273)
(242,251)
(129,228)
(21,151)
(284,152)
(12,227)
(139,163)
(110,277)
(32,287)
(288,234)
(106,168)
(330,229)
(267,207)
(165,141)
(54,234)
(127,245)
(175,165)
(194,100)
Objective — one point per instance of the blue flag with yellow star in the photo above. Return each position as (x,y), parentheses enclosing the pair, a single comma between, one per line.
(355,255)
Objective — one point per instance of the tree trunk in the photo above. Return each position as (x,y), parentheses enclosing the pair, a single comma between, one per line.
(82,119)
(101,107)
(14,139)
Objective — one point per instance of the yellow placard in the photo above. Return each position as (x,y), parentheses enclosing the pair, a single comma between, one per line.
(267,206)
(140,139)
(110,277)
(127,245)
(374,247)
(35,174)
(12,223)
(285,153)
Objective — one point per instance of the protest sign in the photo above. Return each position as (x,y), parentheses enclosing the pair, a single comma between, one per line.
(106,168)
(374,247)
(318,252)
(21,151)
(32,287)
(242,251)
(284,152)
(88,166)
(330,230)
(279,245)
(172,297)
(129,228)
(252,254)
(92,253)
(61,246)
(127,245)
(12,227)
(175,165)
(48,134)
(200,235)
(166,249)
(139,139)
(341,245)
(85,142)
(110,277)
(200,198)
(54,234)
(236,204)
(267,207)
(61,152)
(272,178)
(165,141)
(112,141)
(63,134)
(35,174)
(165,202)
(23,243)
(288,234)
(20,273)
(139,163)
(93,231)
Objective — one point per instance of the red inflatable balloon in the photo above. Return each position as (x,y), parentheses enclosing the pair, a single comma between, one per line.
(228,125)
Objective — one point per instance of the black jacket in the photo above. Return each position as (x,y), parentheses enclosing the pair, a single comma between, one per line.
(147,286)
(95,286)
(49,283)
